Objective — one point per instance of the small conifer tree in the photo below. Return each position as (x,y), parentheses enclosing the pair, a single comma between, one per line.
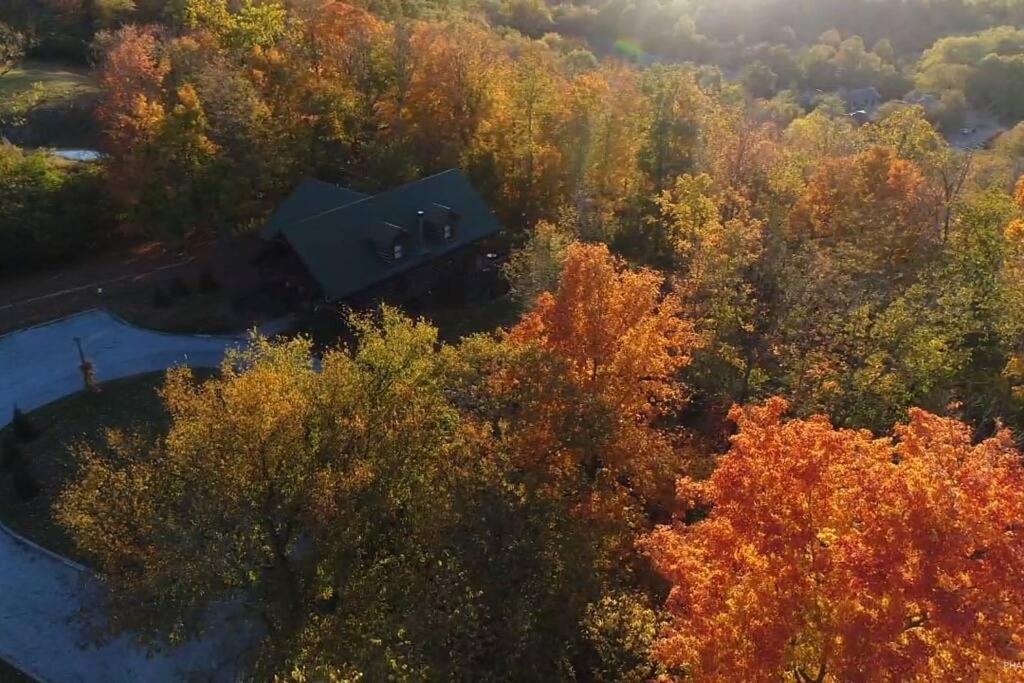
(25,484)
(207,282)
(180,289)
(161,299)
(11,453)
(24,429)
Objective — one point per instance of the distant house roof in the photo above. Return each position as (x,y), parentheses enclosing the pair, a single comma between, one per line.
(918,97)
(350,247)
(861,96)
(311,197)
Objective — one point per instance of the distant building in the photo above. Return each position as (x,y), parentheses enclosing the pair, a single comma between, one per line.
(924,99)
(808,99)
(862,99)
(860,117)
(399,245)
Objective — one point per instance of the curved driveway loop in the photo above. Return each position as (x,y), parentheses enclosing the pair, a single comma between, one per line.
(41,632)
(41,364)
(41,593)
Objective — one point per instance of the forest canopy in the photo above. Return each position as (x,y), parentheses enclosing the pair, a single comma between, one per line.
(759,417)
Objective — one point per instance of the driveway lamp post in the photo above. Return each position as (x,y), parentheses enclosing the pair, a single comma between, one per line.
(88,371)
(81,354)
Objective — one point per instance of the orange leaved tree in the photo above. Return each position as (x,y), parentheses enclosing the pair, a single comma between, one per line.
(874,200)
(830,555)
(617,344)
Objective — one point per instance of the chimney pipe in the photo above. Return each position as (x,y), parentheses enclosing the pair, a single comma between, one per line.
(420,237)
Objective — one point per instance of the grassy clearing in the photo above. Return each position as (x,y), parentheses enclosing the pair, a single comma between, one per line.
(133,404)
(454,323)
(130,403)
(198,313)
(329,327)
(45,83)
(8,674)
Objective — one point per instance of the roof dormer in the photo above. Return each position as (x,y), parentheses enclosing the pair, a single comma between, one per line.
(438,224)
(392,243)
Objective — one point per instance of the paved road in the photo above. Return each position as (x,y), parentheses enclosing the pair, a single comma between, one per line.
(41,593)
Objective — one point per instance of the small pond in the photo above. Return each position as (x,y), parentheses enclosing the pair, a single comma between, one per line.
(79,154)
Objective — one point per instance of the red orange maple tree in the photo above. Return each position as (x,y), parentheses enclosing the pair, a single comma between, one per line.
(829,554)
(875,200)
(619,344)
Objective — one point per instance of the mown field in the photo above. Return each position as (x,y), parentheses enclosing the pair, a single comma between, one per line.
(37,83)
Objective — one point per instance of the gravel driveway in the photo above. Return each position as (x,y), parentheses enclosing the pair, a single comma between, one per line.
(41,593)
(41,632)
(41,364)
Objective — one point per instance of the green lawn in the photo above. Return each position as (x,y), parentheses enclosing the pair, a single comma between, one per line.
(36,83)
(133,403)
(8,674)
(455,322)
(122,404)
(199,313)
(58,81)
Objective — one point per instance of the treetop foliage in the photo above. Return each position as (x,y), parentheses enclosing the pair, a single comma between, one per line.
(832,551)
(696,257)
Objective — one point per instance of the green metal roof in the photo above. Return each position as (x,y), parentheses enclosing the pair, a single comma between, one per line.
(351,247)
(310,198)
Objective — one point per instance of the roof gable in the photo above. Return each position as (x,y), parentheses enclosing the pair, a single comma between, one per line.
(349,248)
(310,198)
(868,93)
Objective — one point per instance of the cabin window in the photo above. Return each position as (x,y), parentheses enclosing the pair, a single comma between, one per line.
(447,231)
(397,252)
